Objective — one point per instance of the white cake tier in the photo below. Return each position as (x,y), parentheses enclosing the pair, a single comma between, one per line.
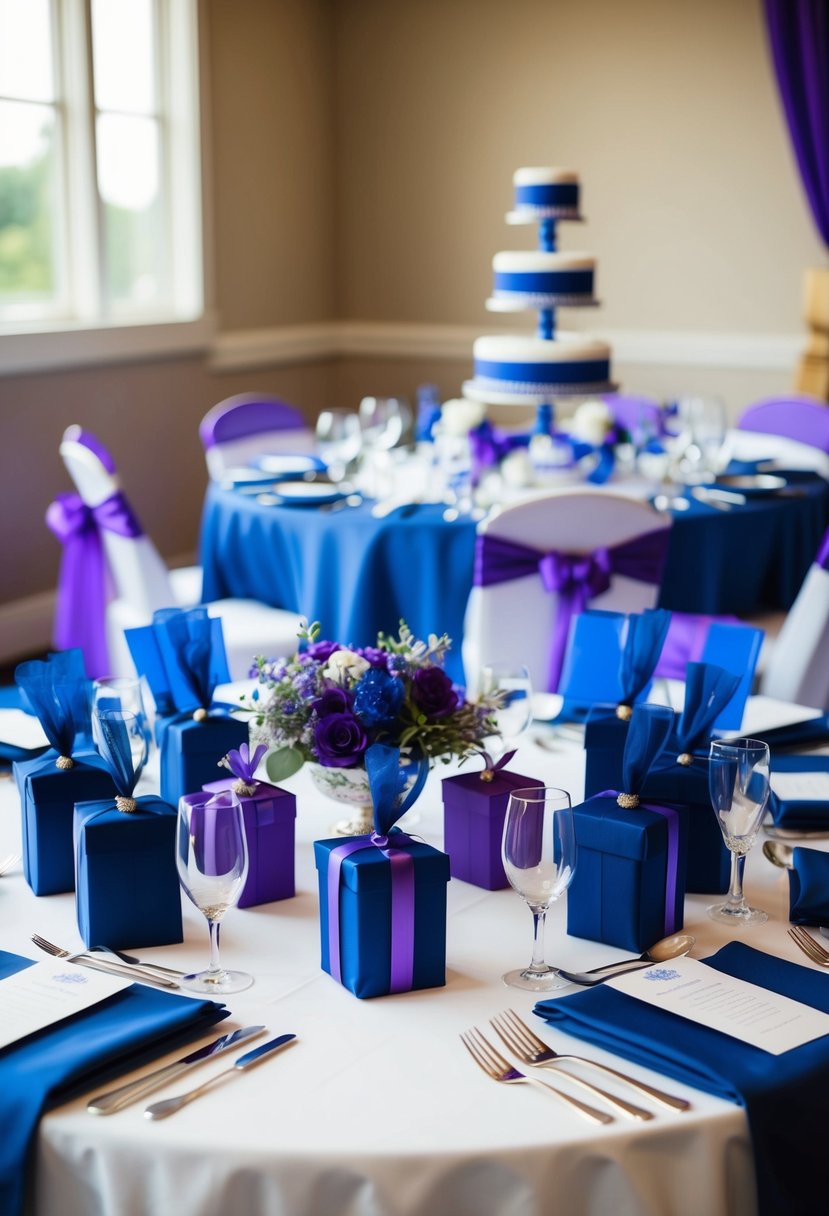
(543,192)
(532,368)
(536,278)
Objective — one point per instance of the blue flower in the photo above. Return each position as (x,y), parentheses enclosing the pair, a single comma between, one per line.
(378,697)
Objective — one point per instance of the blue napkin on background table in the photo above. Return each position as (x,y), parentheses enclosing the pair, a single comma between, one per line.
(128,1029)
(809,887)
(785,1096)
(799,814)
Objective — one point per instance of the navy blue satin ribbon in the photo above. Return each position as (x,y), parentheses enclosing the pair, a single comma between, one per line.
(545,282)
(548,194)
(561,372)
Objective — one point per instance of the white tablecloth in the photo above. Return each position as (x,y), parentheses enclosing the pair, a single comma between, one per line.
(378,1110)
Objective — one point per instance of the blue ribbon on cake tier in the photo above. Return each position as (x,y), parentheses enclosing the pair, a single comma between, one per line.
(543,373)
(547,282)
(547,194)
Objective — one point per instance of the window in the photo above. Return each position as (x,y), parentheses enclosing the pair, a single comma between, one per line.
(100,199)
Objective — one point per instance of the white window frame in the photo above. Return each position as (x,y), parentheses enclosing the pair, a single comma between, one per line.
(89,336)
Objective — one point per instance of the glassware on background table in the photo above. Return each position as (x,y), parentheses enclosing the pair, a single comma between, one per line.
(212,860)
(339,440)
(702,436)
(383,422)
(136,732)
(738,782)
(539,855)
(514,687)
(123,692)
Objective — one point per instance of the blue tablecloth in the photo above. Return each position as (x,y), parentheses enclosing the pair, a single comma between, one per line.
(357,574)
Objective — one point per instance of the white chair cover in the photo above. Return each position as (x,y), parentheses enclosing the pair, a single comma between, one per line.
(511,622)
(141,582)
(237,430)
(797,668)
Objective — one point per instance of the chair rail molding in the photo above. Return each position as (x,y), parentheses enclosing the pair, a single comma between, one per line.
(240,349)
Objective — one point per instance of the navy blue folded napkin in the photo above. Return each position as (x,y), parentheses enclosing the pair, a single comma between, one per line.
(809,887)
(123,1032)
(813,730)
(784,1096)
(799,814)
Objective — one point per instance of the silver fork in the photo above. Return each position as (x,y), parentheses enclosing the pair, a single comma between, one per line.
(809,946)
(499,1069)
(530,1049)
(100,964)
(8,862)
(137,962)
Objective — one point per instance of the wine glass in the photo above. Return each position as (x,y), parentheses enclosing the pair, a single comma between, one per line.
(103,727)
(123,692)
(738,782)
(339,439)
(212,860)
(513,688)
(383,421)
(704,429)
(539,855)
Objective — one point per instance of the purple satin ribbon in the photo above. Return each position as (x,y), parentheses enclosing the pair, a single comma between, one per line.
(243,765)
(402,907)
(82,587)
(671,817)
(576,578)
(488,447)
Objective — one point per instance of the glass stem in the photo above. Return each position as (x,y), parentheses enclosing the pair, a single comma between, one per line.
(736,899)
(214,966)
(539,918)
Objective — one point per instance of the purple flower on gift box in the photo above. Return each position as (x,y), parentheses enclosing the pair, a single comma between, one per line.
(433,692)
(340,741)
(374,656)
(332,701)
(321,651)
(378,697)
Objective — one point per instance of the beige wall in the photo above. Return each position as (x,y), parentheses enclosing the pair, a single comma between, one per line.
(359,164)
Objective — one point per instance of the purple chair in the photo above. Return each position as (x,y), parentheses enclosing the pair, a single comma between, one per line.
(249,425)
(642,417)
(804,419)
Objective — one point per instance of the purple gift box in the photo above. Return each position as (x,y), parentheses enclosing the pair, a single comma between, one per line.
(474,809)
(269,815)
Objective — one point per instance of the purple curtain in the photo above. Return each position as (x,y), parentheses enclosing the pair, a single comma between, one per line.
(799,37)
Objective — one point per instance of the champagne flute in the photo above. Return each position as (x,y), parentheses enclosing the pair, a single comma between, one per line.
(123,692)
(339,439)
(539,855)
(104,724)
(212,860)
(513,688)
(738,782)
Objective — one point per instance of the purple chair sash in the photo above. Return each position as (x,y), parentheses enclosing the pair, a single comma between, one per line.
(576,578)
(82,587)
(822,558)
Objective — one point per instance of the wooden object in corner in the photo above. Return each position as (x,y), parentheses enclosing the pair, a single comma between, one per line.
(813,370)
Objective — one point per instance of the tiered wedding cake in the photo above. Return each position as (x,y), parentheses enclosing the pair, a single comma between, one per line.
(519,370)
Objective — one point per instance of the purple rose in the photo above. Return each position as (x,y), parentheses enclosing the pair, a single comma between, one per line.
(332,701)
(433,692)
(322,651)
(340,741)
(375,656)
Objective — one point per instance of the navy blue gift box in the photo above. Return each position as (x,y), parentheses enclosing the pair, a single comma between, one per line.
(128,892)
(365,916)
(190,751)
(474,810)
(709,861)
(47,801)
(628,889)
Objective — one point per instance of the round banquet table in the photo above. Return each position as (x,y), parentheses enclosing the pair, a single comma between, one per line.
(378,1110)
(358,574)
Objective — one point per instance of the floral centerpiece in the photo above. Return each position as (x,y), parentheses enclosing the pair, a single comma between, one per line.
(327,703)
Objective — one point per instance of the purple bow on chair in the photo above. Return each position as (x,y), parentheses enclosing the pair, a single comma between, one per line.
(82,587)
(576,578)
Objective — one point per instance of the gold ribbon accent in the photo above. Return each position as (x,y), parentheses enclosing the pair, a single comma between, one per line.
(628,802)
(624,712)
(127,805)
(245,788)
(64,762)
(685,759)
(200,714)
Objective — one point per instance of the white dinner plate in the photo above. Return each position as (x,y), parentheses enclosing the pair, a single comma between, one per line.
(244,477)
(286,465)
(314,493)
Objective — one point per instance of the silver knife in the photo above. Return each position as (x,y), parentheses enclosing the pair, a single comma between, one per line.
(116,1099)
(160,1110)
(127,971)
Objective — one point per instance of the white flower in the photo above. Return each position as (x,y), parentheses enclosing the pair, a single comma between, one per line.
(591,422)
(459,416)
(344,665)
(517,469)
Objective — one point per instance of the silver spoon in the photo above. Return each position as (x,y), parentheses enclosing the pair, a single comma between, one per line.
(675,946)
(778,853)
